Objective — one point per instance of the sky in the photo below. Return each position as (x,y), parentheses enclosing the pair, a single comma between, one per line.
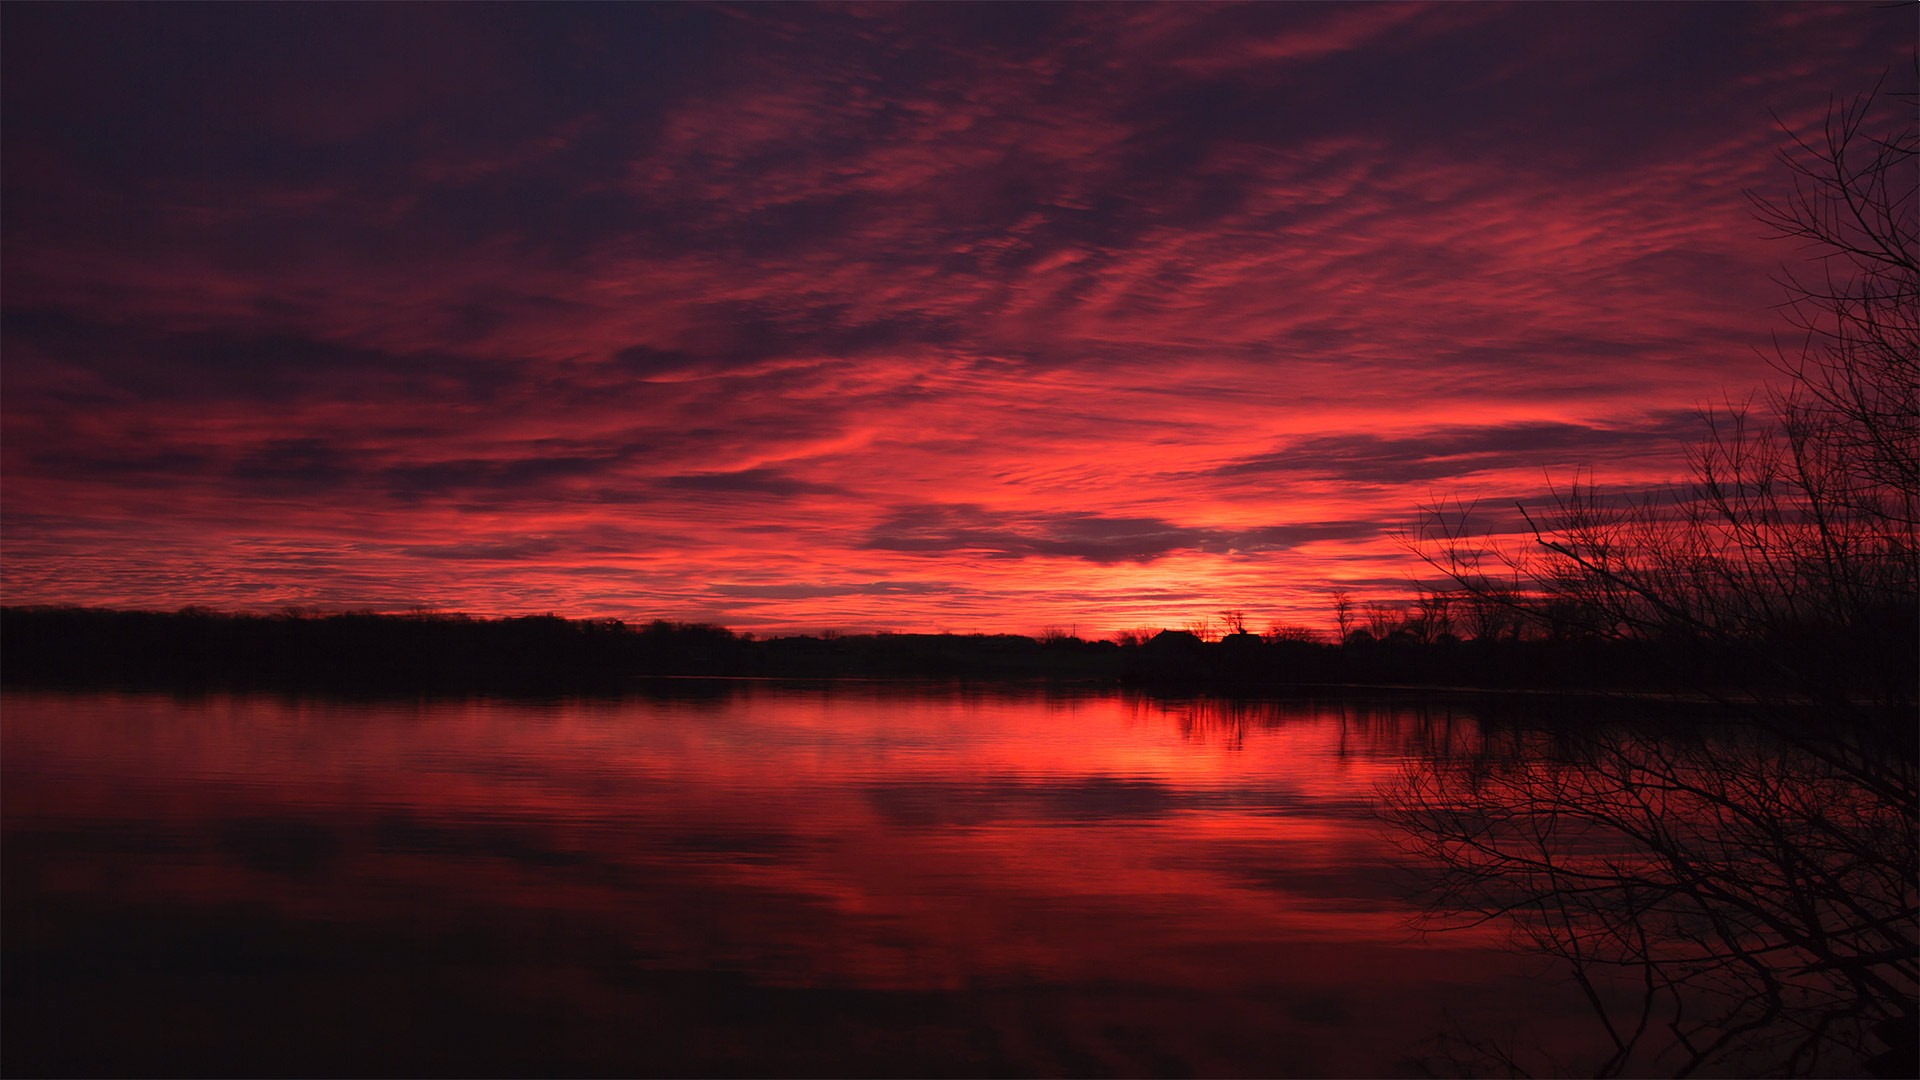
(937,317)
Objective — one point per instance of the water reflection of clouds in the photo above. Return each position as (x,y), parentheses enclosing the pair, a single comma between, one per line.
(937,846)
(1087,800)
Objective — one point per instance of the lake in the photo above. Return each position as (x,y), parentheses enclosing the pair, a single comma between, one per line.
(731,878)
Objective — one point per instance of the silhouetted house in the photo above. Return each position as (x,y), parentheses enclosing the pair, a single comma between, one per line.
(1172,656)
(1244,658)
(1184,642)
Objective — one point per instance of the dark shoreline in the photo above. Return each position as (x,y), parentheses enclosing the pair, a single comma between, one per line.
(377,653)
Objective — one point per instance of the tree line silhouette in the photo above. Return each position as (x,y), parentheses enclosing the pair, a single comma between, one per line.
(452,652)
(199,647)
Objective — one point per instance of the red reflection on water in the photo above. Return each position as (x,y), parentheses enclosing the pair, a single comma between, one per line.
(1102,850)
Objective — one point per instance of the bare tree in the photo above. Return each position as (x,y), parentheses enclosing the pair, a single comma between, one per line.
(1758,881)
(1380,620)
(1432,619)
(1853,367)
(1757,900)
(1343,612)
(1202,628)
(1490,612)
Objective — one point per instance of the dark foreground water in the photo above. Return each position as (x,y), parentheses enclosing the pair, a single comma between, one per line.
(750,880)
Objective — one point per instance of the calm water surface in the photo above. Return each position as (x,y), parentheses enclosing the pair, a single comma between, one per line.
(754,879)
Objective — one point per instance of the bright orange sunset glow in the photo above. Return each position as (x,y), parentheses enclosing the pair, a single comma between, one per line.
(806,317)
